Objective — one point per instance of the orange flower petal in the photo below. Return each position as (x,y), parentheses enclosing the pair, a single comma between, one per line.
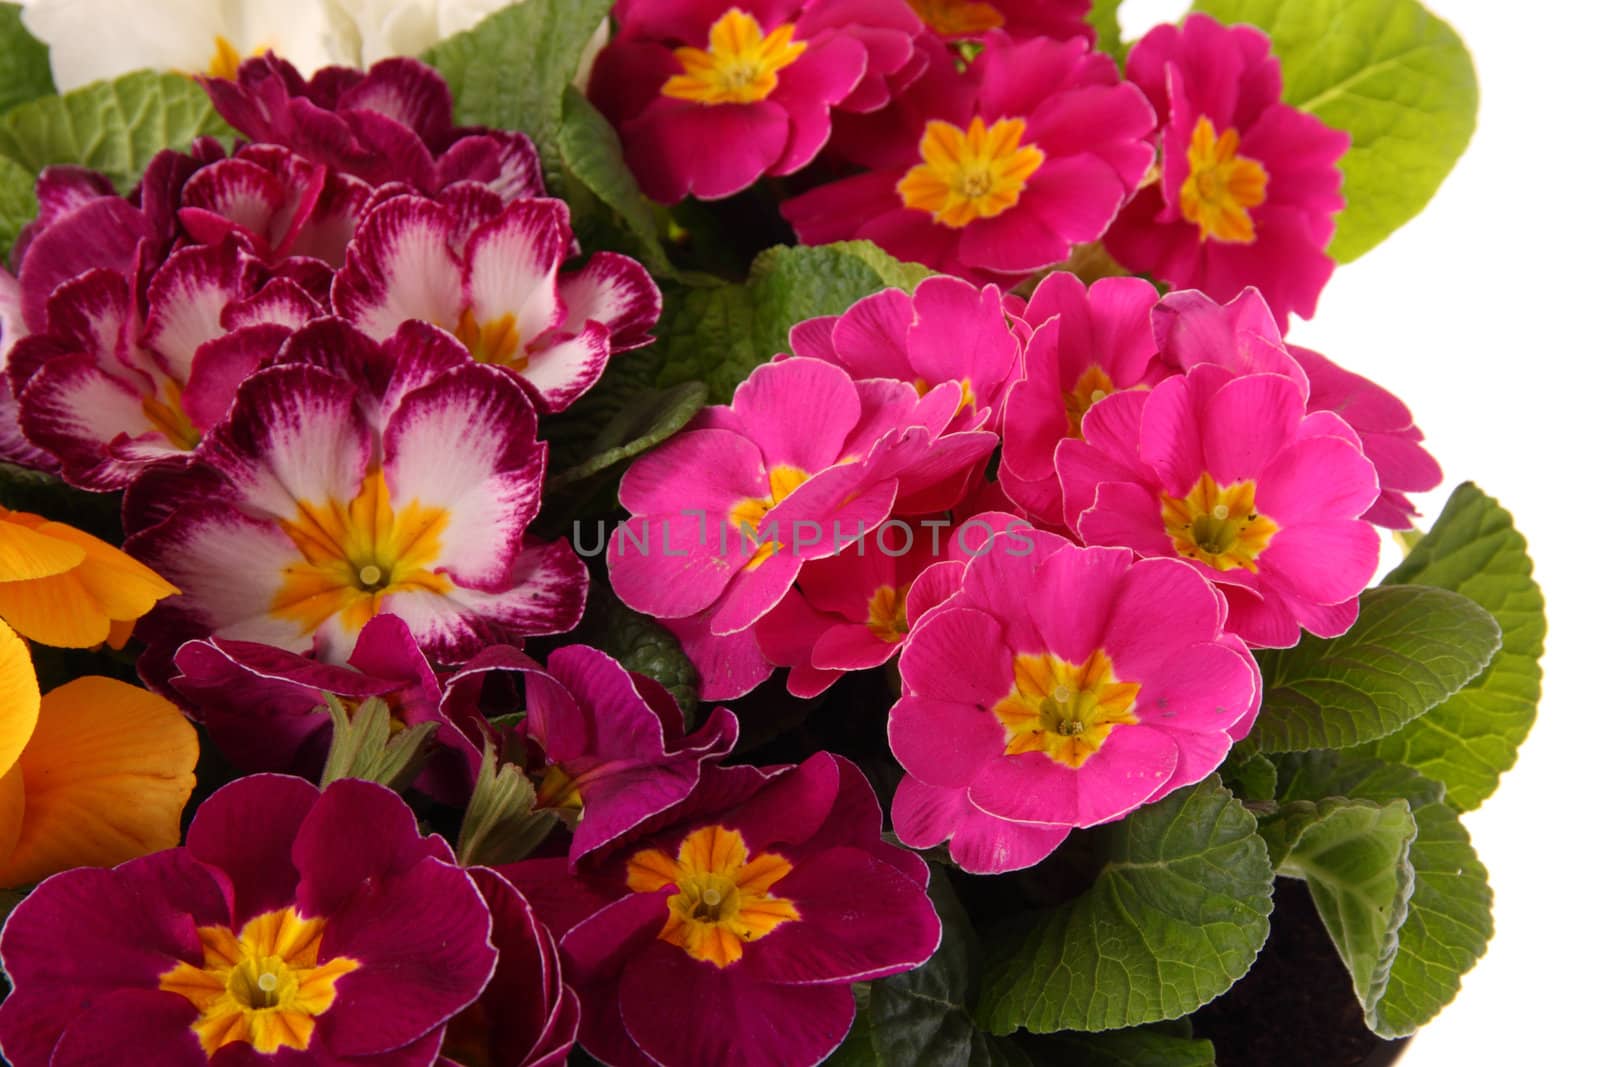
(106,776)
(125,588)
(12,805)
(19,697)
(27,553)
(56,611)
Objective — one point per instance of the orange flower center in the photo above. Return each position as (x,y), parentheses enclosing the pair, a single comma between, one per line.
(1218,525)
(886,614)
(1065,710)
(967,176)
(958,18)
(1221,187)
(164,409)
(746,516)
(357,552)
(740,65)
(495,341)
(263,985)
(723,897)
(1093,386)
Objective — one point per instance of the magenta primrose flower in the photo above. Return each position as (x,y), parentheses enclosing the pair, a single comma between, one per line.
(391,123)
(606,747)
(709,96)
(769,892)
(354,479)
(802,464)
(995,172)
(266,708)
(1249,185)
(276,934)
(1059,688)
(491,273)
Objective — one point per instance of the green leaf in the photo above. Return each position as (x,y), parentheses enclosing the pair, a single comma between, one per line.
(1249,775)
(18,205)
(924,1016)
(24,62)
(1353,856)
(641,644)
(1107,29)
(1121,1048)
(511,71)
(1392,75)
(114,127)
(1174,918)
(592,156)
(719,334)
(646,421)
(1410,648)
(1468,741)
(1448,923)
(503,822)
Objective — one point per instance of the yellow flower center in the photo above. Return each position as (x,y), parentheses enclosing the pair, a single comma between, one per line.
(740,66)
(1065,710)
(226,58)
(493,342)
(747,514)
(1221,186)
(958,18)
(357,552)
(724,895)
(263,985)
(886,614)
(1093,386)
(559,791)
(967,176)
(1218,525)
(164,409)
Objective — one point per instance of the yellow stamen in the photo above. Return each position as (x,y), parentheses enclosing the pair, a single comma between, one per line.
(741,65)
(724,894)
(1218,525)
(1222,186)
(263,985)
(356,553)
(164,409)
(958,18)
(886,614)
(747,514)
(1093,386)
(1065,710)
(967,176)
(493,342)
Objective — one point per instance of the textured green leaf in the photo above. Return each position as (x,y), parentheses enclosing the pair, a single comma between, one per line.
(641,644)
(1107,29)
(1468,741)
(18,205)
(24,62)
(1121,1048)
(646,421)
(1174,918)
(924,1016)
(1353,855)
(1448,923)
(592,156)
(1410,648)
(114,127)
(1390,73)
(511,71)
(719,334)
(1249,775)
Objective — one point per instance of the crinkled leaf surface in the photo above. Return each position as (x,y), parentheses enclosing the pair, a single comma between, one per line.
(24,62)
(592,157)
(1121,1048)
(643,422)
(1448,922)
(18,205)
(114,127)
(1174,918)
(1470,739)
(924,1016)
(1393,75)
(1410,648)
(1354,857)
(641,644)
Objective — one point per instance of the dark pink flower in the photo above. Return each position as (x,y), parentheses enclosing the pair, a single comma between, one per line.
(767,894)
(388,124)
(293,927)
(1020,19)
(996,172)
(1249,185)
(606,747)
(709,96)
(1058,688)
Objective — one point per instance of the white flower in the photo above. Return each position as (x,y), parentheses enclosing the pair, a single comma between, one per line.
(90,40)
(383,28)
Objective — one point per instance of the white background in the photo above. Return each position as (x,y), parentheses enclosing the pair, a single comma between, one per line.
(1482,314)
